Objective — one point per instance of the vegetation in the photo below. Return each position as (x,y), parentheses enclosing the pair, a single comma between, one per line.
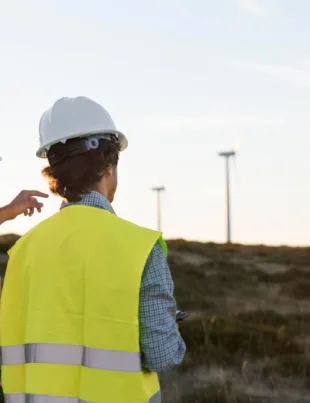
(248,334)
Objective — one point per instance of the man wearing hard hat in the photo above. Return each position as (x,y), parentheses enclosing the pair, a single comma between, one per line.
(87,311)
(24,203)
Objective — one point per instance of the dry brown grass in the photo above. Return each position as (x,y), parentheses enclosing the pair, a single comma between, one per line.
(263,352)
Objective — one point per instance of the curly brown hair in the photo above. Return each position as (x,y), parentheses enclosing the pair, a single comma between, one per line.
(77,175)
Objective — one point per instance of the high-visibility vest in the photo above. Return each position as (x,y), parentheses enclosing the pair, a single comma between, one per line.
(69,311)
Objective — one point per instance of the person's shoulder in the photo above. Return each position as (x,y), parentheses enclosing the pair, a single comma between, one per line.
(145,236)
(159,250)
(134,227)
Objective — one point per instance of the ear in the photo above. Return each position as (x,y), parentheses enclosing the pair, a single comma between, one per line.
(109,171)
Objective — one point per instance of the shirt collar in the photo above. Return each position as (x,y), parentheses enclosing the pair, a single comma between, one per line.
(92,199)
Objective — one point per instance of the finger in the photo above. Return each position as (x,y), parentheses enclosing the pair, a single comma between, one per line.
(34,203)
(39,209)
(31,193)
(31,211)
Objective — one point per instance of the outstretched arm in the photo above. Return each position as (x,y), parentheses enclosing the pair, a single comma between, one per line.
(24,203)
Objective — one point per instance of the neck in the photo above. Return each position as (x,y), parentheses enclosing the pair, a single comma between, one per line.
(100,188)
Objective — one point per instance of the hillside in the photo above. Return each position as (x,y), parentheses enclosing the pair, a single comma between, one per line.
(248,335)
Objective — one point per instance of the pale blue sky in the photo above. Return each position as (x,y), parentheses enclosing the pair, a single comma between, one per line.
(184,80)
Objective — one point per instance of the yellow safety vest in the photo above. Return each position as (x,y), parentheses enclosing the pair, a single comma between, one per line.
(69,311)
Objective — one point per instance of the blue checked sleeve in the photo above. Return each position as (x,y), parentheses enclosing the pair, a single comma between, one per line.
(162,347)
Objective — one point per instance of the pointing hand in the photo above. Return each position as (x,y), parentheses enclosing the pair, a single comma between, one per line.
(25,203)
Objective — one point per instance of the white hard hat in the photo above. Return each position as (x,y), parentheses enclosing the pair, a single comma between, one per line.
(75,117)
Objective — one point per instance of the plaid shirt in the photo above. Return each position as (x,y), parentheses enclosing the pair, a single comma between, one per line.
(161,344)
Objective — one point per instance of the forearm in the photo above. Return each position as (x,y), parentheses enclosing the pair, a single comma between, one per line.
(162,346)
(5,214)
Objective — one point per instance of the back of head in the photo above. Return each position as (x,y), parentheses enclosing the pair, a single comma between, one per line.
(74,176)
(81,142)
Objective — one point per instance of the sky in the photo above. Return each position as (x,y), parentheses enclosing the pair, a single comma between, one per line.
(183,80)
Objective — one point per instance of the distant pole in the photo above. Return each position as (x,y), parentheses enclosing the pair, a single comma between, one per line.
(227,155)
(158,190)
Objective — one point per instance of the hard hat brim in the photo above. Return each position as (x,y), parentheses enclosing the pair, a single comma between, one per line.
(42,151)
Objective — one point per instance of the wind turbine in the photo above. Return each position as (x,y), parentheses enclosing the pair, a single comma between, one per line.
(227,155)
(158,190)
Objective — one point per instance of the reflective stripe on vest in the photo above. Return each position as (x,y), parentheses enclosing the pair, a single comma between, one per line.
(95,358)
(27,398)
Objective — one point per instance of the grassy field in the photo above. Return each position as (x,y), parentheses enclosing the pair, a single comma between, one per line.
(248,336)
